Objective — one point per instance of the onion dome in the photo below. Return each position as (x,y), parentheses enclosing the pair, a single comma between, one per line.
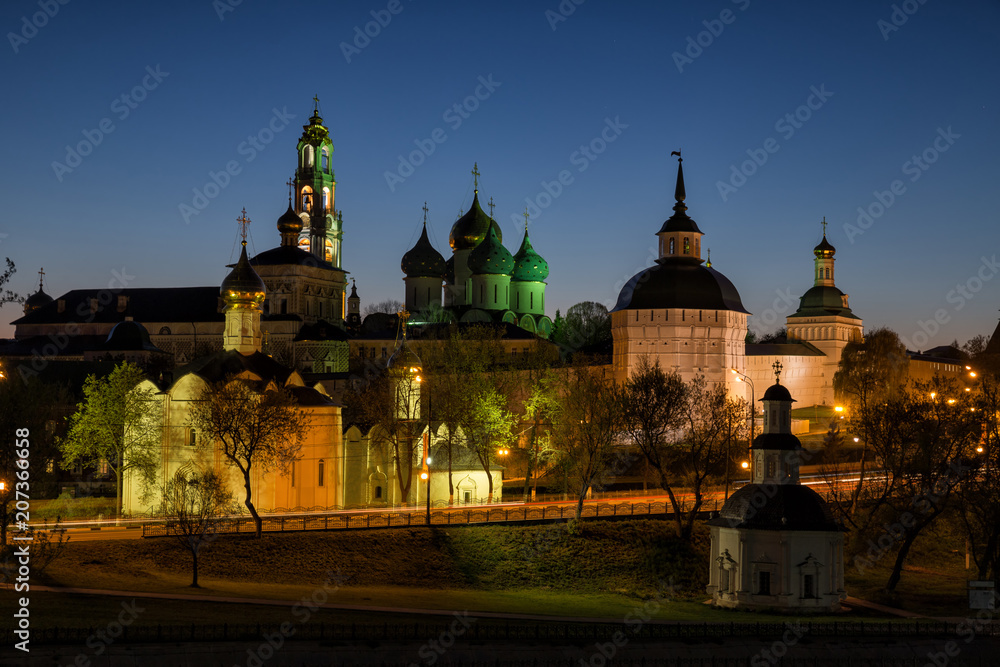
(129,336)
(405,360)
(37,300)
(490,256)
(528,264)
(243,282)
(787,507)
(825,249)
(422,260)
(315,132)
(289,222)
(470,230)
(679,221)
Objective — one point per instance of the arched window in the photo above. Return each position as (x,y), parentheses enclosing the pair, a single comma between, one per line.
(307,195)
(326,200)
(687,246)
(326,160)
(672,250)
(827,274)
(164,331)
(308,156)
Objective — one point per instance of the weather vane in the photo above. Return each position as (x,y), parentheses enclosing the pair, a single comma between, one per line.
(678,154)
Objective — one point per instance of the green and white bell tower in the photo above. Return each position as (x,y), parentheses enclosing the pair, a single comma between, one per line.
(315,187)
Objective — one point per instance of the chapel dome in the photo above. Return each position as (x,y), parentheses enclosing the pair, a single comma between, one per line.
(470,230)
(243,280)
(680,284)
(787,507)
(825,249)
(289,222)
(528,264)
(422,260)
(490,256)
(37,300)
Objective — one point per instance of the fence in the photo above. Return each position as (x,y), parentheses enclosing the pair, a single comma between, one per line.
(485,630)
(418,517)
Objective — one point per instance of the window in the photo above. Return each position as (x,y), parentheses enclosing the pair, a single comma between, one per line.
(164,331)
(532,304)
(384,353)
(378,493)
(687,246)
(284,306)
(495,293)
(322,466)
(763,583)
(193,438)
(672,249)
(724,581)
(103,467)
(770,467)
(827,274)
(809,586)
(326,163)
(467,496)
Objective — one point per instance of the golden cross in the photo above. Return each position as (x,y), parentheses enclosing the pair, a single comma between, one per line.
(525,218)
(316,103)
(777,370)
(243,220)
(824,225)
(475,175)
(491,207)
(41,277)
(425,213)
(291,184)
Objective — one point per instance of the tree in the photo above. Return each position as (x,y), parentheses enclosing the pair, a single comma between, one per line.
(119,424)
(389,307)
(488,425)
(587,423)
(540,406)
(586,325)
(654,405)
(7,296)
(871,371)
(976,345)
(193,503)
(252,429)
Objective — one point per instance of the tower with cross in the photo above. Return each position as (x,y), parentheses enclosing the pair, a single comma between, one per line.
(243,293)
(314,191)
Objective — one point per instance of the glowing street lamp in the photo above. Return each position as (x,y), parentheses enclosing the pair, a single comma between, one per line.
(744,464)
(742,377)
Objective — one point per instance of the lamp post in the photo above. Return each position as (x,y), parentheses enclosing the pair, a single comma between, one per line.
(742,377)
(427,476)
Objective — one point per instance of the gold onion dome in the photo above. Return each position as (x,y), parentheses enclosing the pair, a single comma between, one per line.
(422,260)
(528,264)
(470,230)
(289,222)
(243,282)
(490,256)
(825,249)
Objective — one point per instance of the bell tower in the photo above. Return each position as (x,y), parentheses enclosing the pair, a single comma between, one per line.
(315,187)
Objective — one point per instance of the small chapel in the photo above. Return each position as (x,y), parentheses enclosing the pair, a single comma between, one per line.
(775,543)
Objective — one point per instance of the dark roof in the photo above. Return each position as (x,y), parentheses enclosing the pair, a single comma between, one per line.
(778,392)
(680,284)
(287,254)
(788,507)
(321,330)
(309,397)
(823,300)
(783,441)
(679,221)
(243,279)
(129,336)
(824,249)
(220,365)
(422,260)
(145,304)
(799,348)
(38,299)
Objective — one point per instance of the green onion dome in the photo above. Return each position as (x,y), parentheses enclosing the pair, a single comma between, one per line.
(470,230)
(528,264)
(490,256)
(422,260)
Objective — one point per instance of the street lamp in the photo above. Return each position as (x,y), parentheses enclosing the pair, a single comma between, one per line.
(427,476)
(742,377)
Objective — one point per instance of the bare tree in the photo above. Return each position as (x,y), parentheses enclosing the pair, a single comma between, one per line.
(389,307)
(587,424)
(193,504)
(252,429)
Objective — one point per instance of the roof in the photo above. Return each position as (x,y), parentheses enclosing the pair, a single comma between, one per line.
(993,347)
(321,330)
(490,256)
(469,230)
(825,248)
(799,348)
(144,304)
(129,336)
(528,264)
(823,300)
(782,441)
(221,365)
(287,254)
(422,260)
(679,221)
(674,283)
(778,392)
(788,507)
(242,279)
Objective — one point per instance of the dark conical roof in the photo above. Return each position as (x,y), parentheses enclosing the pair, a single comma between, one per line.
(242,279)
(490,256)
(679,221)
(422,260)
(470,230)
(528,264)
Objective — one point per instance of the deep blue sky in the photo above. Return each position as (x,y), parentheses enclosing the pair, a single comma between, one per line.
(557,88)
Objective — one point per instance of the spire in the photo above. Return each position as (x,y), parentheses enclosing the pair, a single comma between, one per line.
(709,262)
(679,193)
(354,289)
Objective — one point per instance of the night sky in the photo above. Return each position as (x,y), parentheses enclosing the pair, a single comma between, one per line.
(892,108)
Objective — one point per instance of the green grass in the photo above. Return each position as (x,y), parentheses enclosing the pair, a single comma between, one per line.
(72,508)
